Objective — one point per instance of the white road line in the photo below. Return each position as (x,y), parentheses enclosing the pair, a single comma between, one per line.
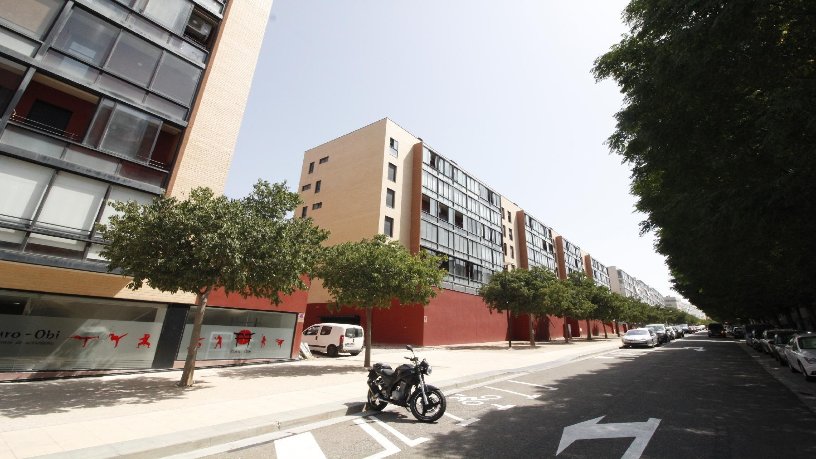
(531,384)
(298,446)
(511,392)
(389,448)
(462,422)
(398,434)
(455,418)
(503,407)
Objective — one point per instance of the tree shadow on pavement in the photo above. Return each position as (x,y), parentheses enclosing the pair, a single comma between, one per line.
(57,396)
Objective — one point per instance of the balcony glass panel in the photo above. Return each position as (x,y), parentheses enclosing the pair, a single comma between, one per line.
(21,188)
(122,88)
(122,194)
(11,238)
(55,246)
(142,174)
(72,203)
(70,67)
(131,133)
(172,14)
(134,58)
(32,15)
(176,79)
(35,143)
(91,159)
(87,37)
(166,107)
(18,43)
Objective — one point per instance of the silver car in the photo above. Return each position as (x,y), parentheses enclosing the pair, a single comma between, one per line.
(639,337)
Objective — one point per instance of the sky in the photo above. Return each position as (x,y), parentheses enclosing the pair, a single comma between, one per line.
(484,83)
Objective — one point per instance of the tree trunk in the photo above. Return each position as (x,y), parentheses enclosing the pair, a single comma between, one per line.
(532,331)
(509,331)
(369,315)
(617,327)
(589,331)
(192,347)
(566,331)
(606,336)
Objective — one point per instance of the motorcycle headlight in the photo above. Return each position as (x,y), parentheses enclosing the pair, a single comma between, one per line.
(428,369)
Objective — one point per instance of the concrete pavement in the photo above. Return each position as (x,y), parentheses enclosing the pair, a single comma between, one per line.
(147,415)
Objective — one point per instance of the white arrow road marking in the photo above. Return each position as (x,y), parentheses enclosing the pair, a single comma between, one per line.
(462,422)
(588,430)
(531,384)
(398,434)
(389,448)
(502,407)
(299,446)
(514,393)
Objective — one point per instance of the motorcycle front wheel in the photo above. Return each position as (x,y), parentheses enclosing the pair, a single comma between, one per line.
(430,412)
(375,404)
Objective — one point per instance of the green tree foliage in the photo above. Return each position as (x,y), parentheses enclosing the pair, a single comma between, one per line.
(534,292)
(371,273)
(245,246)
(719,127)
(608,306)
(579,304)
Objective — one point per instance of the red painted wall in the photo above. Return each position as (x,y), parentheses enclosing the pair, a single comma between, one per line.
(457,318)
(395,325)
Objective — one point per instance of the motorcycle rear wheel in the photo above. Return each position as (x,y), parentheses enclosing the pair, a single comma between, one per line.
(375,404)
(431,412)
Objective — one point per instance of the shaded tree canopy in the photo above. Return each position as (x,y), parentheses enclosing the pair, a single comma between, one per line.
(719,128)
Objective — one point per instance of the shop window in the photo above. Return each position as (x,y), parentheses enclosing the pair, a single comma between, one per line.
(35,17)
(172,14)
(317,186)
(388,227)
(390,198)
(86,37)
(134,58)
(176,79)
(392,172)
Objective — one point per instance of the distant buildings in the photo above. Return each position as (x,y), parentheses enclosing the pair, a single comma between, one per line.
(382,179)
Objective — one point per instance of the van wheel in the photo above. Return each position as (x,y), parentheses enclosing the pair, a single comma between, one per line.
(354,353)
(332,350)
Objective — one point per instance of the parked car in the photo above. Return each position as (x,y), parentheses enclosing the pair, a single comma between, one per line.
(660,331)
(678,331)
(715,330)
(801,355)
(639,337)
(738,332)
(778,344)
(753,332)
(331,338)
(767,341)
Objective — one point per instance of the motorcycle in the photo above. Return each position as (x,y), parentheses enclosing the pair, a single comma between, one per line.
(406,387)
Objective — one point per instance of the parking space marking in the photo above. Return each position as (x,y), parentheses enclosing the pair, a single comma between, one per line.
(502,407)
(514,393)
(299,446)
(473,401)
(388,447)
(461,422)
(398,434)
(531,384)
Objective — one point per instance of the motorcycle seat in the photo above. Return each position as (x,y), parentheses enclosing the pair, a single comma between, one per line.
(383,369)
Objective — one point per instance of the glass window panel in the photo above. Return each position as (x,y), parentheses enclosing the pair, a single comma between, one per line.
(10,238)
(134,58)
(70,67)
(21,188)
(142,174)
(57,246)
(94,252)
(188,50)
(111,10)
(11,74)
(131,133)
(72,203)
(100,122)
(122,88)
(148,29)
(18,43)
(166,107)
(33,15)
(172,14)
(119,193)
(86,36)
(29,141)
(176,79)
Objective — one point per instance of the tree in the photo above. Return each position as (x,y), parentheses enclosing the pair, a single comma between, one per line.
(245,246)
(373,272)
(608,306)
(521,291)
(580,304)
(718,128)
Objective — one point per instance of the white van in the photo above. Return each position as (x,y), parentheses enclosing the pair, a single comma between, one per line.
(332,339)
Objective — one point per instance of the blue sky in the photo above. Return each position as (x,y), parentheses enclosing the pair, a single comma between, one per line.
(478,81)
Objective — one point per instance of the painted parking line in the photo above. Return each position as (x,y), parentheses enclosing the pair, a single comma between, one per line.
(299,446)
(398,434)
(460,421)
(531,384)
(388,447)
(514,393)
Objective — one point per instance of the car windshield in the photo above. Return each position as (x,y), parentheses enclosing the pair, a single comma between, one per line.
(808,342)
(637,332)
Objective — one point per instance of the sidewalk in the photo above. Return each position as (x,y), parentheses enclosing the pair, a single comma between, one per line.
(147,415)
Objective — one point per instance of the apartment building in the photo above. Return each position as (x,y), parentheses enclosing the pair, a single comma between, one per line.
(102,101)
(383,179)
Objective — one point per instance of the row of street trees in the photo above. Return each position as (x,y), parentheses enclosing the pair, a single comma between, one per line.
(252,247)
(538,293)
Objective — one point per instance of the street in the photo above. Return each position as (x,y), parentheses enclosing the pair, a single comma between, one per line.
(696,397)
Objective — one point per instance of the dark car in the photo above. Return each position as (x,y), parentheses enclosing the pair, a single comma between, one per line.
(738,332)
(753,332)
(715,330)
(660,331)
(781,339)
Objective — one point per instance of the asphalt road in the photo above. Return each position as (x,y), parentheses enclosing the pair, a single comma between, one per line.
(695,397)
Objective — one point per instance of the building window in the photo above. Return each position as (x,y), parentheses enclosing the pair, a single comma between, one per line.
(508,217)
(317,186)
(317,205)
(311,167)
(388,227)
(303,211)
(390,197)
(512,252)
(394,146)
(510,233)
(392,172)
(172,14)
(306,187)
(324,160)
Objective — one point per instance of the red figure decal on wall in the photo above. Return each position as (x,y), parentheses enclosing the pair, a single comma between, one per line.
(218,341)
(84,339)
(144,341)
(263,341)
(243,337)
(200,340)
(279,341)
(115,338)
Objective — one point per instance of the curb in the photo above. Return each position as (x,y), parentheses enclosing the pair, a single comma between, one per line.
(205,437)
